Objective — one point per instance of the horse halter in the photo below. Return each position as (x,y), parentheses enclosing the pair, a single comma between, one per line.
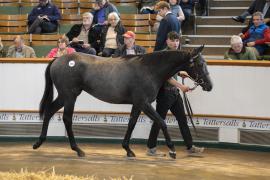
(198,78)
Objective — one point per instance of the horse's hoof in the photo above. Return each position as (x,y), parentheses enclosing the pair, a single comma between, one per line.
(81,153)
(36,145)
(131,158)
(172,154)
(131,154)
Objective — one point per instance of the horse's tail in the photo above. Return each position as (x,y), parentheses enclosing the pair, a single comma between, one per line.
(48,92)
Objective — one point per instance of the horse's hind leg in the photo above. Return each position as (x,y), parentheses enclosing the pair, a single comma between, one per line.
(135,112)
(67,118)
(152,114)
(53,108)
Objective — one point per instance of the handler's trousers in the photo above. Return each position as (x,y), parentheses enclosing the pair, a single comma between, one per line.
(170,100)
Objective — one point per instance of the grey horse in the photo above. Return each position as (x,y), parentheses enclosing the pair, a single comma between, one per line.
(132,80)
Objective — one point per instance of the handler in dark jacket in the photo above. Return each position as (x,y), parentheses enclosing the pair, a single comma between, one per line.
(84,36)
(169,98)
(112,35)
(129,47)
(167,24)
(43,18)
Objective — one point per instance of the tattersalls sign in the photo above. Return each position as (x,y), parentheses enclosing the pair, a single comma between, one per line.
(85,118)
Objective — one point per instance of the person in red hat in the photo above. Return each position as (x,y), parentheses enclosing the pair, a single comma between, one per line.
(129,46)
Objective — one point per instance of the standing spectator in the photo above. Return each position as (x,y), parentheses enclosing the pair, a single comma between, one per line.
(84,36)
(112,35)
(177,10)
(238,51)
(19,50)
(61,48)
(101,11)
(43,18)
(187,6)
(169,98)
(258,34)
(129,46)
(167,24)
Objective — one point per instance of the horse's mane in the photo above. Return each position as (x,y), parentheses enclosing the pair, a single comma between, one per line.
(155,55)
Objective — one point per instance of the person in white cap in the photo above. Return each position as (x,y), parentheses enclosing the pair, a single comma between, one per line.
(238,51)
(129,46)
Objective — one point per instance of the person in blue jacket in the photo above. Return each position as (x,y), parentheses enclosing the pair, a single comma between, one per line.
(167,24)
(43,18)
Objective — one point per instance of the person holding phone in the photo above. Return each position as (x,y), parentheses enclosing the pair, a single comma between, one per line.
(43,18)
(84,36)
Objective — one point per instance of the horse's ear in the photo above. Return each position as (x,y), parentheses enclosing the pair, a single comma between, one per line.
(196,51)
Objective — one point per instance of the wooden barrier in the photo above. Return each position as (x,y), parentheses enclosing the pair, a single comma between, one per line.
(209,62)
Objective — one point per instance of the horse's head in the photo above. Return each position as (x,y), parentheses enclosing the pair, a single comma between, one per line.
(198,69)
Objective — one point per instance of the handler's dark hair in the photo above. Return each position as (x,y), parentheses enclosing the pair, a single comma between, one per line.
(173,35)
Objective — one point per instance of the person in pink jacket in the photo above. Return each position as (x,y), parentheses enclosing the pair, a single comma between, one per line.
(61,48)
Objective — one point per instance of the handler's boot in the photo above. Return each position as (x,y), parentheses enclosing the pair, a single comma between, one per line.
(195,151)
(154,152)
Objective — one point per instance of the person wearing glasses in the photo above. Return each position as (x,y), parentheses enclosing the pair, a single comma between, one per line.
(61,49)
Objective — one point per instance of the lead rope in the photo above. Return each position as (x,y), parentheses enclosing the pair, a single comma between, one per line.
(188,107)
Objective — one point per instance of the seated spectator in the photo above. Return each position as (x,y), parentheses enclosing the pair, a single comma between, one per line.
(238,51)
(173,41)
(43,18)
(101,11)
(258,34)
(84,36)
(257,5)
(19,50)
(187,6)
(61,48)
(147,6)
(2,53)
(129,46)
(112,35)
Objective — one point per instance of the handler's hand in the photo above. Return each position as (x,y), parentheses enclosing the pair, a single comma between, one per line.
(184,88)
(183,74)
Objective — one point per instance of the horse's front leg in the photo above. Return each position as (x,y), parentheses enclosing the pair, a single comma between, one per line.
(67,118)
(152,114)
(135,113)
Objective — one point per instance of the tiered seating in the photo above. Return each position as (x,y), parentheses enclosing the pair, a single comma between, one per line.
(42,44)
(67,21)
(126,6)
(71,14)
(67,6)
(138,23)
(86,5)
(146,40)
(10,24)
(9,7)
(26,6)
